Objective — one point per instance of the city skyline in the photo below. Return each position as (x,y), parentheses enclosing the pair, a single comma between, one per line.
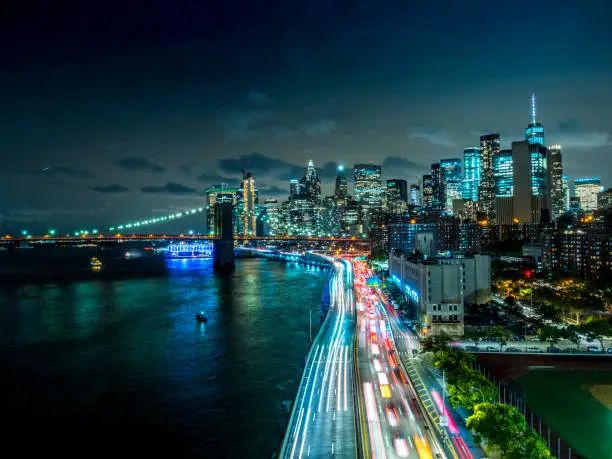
(107,139)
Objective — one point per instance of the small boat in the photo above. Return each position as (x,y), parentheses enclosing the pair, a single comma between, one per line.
(95,263)
(200,317)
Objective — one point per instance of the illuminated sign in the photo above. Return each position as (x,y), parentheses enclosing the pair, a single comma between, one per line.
(190,250)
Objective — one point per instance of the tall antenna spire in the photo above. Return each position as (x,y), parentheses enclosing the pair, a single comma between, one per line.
(533,108)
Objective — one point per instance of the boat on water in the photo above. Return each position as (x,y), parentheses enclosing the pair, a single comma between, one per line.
(95,263)
(194,249)
(200,317)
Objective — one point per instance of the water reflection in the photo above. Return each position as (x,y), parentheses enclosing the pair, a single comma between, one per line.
(127,360)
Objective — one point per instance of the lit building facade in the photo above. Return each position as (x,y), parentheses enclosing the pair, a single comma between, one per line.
(295,188)
(218,194)
(438,188)
(604,199)
(367,185)
(489,147)
(428,192)
(247,208)
(397,196)
(530,173)
(555,182)
(453,179)
(311,185)
(471,173)
(415,196)
(534,134)
(503,175)
(566,192)
(586,190)
(341,189)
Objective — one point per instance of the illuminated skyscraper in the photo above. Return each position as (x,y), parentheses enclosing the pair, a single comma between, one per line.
(586,191)
(502,172)
(428,192)
(367,185)
(311,183)
(529,162)
(397,195)
(248,206)
(295,189)
(566,192)
(534,134)
(471,173)
(452,182)
(415,196)
(555,181)
(438,187)
(341,190)
(489,147)
(218,194)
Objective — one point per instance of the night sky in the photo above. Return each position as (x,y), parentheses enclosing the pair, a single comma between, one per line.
(119,111)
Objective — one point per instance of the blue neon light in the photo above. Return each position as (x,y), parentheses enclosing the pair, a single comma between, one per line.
(190,250)
(410,292)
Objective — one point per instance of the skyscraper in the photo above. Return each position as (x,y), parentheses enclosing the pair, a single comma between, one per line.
(428,192)
(415,196)
(530,181)
(586,191)
(534,134)
(555,182)
(295,189)
(341,190)
(367,185)
(471,173)
(566,192)
(311,183)
(218,194)
(502,173)
(489,147)
(248,206)
(452,182)
(438,187)
(397,195)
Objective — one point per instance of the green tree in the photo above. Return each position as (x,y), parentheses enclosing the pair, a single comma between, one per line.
(500,426)
(549,334)
(531,445)
(571,333)
(501,334)
(597,330)
(453,360)
(436,342)
(469,387)
(510,301)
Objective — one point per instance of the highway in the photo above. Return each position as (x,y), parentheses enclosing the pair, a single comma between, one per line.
(395,425)
(322,422)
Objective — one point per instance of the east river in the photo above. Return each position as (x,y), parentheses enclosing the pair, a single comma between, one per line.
(122,367)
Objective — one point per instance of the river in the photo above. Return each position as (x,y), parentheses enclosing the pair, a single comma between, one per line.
(120,367)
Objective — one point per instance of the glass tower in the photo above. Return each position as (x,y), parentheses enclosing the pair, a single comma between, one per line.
(586,191)
(368,186)
(452,182)
(471,173)
(341,190)
(489,147)
(502,171)
(534,134)
(555,181)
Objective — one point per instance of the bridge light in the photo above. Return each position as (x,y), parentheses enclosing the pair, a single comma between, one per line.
(200,209)
(24,232)
(191,232)
(52,232)
(95,231)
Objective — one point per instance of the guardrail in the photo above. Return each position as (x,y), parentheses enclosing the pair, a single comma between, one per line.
(543,352)
(303,381)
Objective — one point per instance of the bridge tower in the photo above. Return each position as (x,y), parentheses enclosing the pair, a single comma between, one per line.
(224,246)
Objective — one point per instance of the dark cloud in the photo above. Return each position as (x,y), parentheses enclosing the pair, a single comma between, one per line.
(396,162)
(257,96)
(187,168)
(245,124)
(211,179)
(66,171)
(570,125)
(272,190)
(138,164)
(110,189)
(255,162)
(320,127)
(169,188)
(433,136)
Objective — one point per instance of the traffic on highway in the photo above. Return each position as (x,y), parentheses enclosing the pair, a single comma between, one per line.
(323,417)
(393,423)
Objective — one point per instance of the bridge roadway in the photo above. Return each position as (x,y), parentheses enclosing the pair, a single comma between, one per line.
(322,422)
(170,237)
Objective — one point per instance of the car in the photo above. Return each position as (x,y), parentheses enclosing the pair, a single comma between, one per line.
(553,349)
(533,349)
(401,446)
(512,349)
(471,348)
(609,350)
(392,415)
(593,349)
(491,349)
